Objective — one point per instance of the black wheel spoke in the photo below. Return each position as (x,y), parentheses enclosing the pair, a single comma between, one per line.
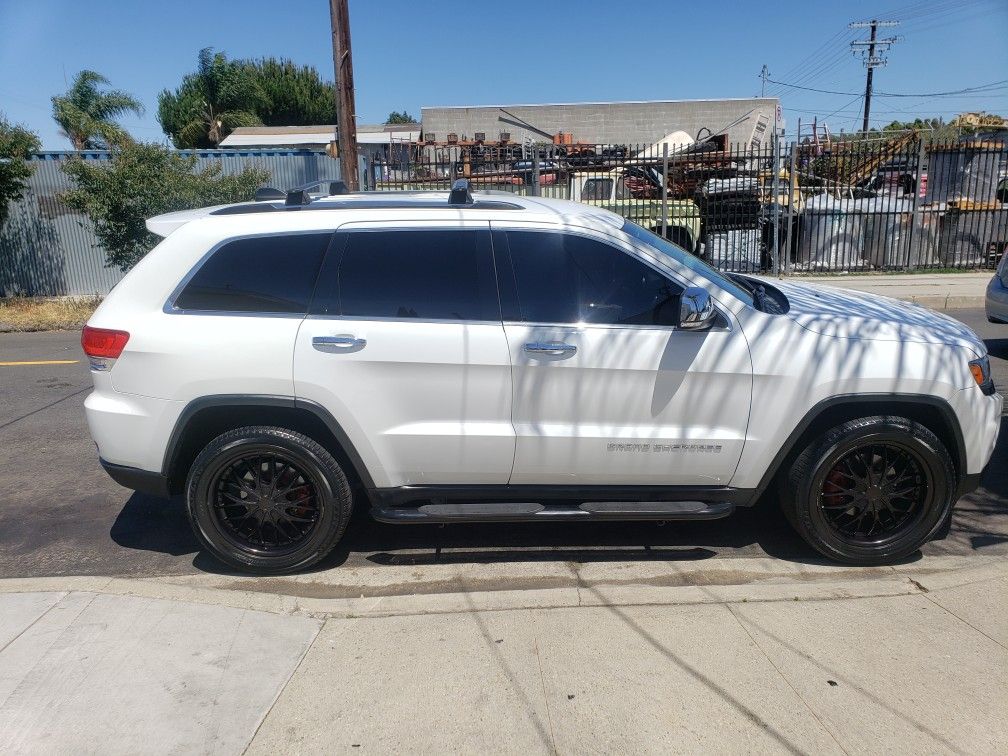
(874,492)
(253,503)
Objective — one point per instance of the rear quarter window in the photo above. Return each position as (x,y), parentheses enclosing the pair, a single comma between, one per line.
(265,274)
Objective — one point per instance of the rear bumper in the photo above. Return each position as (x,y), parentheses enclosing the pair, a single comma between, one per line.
(143,481)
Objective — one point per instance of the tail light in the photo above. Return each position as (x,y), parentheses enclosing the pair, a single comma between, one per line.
(103,346)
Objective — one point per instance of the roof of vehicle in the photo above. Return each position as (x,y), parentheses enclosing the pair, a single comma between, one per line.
(485,204)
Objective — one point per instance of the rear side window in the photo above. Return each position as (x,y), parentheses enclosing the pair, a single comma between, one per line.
(565,278)
(267,274)
(437,274)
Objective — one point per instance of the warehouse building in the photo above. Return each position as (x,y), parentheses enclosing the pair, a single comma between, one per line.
(744,121)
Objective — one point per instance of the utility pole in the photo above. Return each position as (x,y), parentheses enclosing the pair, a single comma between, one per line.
(346,123)
(871,61)
(764,75)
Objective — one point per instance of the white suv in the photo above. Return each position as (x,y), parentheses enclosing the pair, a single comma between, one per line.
(488,357)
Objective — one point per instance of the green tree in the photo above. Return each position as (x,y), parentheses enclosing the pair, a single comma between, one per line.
(16,145)
(400,117)
(86,114)
(220,96)
(296,95)
(143,180)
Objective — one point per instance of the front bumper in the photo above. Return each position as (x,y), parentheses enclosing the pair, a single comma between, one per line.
(980,420)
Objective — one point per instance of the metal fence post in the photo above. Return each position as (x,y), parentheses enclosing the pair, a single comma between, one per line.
(664,192)
(915,202)
(535,171)
(775,235)
(792,185)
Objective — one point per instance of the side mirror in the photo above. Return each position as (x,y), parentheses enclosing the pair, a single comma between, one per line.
(696,310)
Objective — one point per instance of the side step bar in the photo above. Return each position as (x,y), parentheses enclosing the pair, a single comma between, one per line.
(534,512)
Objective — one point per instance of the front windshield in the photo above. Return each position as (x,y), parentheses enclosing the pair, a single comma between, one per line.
(682,257)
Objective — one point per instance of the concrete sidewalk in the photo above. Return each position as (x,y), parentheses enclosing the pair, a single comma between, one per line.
(939,291)
(911,659)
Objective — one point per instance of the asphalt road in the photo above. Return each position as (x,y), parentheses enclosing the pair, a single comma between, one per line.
(61,515)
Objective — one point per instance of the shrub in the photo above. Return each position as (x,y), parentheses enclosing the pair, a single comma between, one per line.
(143,180)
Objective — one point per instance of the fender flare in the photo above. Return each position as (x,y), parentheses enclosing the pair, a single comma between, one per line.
(262,400)
(884,404)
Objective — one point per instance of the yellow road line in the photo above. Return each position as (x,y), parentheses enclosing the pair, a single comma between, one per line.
(39,362)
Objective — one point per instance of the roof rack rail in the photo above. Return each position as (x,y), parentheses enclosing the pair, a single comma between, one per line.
(297,198)
(460,194)
(328,187)
(300,196)
(268,193)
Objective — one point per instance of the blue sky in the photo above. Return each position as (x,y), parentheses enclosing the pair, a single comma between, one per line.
(408,54)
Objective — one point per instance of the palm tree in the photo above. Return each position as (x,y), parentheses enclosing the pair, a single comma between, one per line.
(220,96)
(86,114)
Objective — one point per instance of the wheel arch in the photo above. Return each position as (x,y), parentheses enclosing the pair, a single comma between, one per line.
(930,411)
(205,418)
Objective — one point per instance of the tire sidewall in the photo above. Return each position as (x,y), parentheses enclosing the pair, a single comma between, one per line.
(200,504)
(812,523)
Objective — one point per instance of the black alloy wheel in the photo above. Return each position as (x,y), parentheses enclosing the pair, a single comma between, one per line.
(267,500)
(875,492)
(870,491)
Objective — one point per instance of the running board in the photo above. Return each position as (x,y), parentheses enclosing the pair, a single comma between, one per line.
(509,511)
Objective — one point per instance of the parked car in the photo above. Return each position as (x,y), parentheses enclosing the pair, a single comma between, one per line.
(996,301)
(479,357)
(614,190)
(549,171)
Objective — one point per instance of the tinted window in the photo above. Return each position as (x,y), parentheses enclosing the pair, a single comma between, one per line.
(678,255)
(563,278)
(431,275)
(270,274)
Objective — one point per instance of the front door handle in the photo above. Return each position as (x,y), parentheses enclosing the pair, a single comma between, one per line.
(550,347)
(342,342)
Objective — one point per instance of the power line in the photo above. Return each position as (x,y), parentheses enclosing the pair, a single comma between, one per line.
(826,64)
(982,89)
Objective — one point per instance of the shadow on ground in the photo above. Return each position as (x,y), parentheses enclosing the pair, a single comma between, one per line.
(980,524)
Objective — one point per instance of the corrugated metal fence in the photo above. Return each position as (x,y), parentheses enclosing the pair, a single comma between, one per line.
(46,249)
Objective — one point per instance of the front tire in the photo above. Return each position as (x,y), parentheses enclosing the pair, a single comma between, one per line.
(870,491)
(267,500)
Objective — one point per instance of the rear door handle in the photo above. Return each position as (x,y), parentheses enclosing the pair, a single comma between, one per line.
(550,347)
(342,342)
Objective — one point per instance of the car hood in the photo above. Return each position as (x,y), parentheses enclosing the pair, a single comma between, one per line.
(848,314)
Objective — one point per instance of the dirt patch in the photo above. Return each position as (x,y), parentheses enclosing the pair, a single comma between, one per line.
(36,314)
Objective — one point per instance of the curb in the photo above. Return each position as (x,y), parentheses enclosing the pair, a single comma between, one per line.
(948,302)
(815,584)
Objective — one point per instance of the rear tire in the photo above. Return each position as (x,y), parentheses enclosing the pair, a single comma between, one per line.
(267,500)
(870,491)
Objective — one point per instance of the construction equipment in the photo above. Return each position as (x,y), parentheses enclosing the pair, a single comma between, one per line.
(980,121)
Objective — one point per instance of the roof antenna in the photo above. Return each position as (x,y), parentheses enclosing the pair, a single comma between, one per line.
(460,194)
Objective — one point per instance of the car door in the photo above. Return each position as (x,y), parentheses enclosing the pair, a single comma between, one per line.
(404,346)
(607,390)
